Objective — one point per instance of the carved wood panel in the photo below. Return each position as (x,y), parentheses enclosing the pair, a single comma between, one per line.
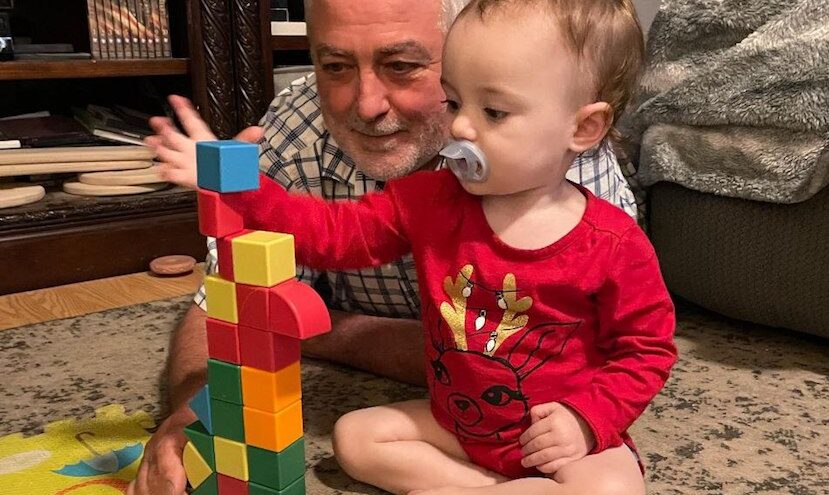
(212,66)
(253,59)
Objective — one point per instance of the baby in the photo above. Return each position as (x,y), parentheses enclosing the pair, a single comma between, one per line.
(548,326)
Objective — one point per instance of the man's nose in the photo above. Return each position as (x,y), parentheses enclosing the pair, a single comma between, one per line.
(373,98)
(462,128)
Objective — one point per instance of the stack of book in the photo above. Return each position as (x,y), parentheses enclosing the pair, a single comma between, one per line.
(128,29)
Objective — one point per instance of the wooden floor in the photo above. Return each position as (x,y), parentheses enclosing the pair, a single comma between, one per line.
(67,301)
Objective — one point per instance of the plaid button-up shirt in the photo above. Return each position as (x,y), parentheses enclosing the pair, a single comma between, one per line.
(299,153)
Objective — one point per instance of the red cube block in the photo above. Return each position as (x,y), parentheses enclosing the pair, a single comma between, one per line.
(223,341)
(229,485)
(297,311)
(252,304)
(224,247)
(216,218)
(265,350)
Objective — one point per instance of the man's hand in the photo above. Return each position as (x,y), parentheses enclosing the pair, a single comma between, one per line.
(177,151)
(161,471)
(557,436)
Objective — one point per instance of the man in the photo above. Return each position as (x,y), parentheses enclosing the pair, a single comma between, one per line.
(372,111)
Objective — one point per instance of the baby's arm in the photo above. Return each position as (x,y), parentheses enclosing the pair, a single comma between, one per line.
(328,236)
(636,328)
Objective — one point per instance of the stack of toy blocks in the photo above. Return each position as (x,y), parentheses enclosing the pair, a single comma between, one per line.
(249,436)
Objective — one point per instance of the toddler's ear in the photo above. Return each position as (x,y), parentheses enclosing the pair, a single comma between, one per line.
(592,123)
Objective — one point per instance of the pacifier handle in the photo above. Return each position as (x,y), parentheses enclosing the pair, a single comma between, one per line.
(466,161)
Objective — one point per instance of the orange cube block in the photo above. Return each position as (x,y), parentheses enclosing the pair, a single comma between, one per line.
(271,391)
(273,431)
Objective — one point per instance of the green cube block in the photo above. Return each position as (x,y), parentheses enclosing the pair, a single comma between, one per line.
(203,441)
(228,420)
(295,488)
(225,380)
(277,470)
(210,486)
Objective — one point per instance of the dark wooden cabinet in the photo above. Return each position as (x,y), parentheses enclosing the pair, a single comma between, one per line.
(222,59)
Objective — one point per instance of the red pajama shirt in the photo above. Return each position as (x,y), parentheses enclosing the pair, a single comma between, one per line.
(586,321)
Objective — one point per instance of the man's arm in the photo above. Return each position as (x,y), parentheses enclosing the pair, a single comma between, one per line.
(391,347)
(161,470)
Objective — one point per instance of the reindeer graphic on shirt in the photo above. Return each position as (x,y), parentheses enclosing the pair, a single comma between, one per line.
(476,381)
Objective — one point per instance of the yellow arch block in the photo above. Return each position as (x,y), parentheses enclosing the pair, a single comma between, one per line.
(195,466)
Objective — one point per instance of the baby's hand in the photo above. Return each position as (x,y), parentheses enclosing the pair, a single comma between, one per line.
(557,436)
(177,151)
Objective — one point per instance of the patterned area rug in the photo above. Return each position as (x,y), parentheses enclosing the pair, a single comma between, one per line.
(746,410)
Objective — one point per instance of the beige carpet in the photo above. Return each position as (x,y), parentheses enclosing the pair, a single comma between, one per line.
(746,410)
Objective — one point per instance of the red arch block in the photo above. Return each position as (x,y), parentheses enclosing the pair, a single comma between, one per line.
(296,310)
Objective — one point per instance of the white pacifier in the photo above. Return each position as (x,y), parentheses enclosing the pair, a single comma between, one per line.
(466,161)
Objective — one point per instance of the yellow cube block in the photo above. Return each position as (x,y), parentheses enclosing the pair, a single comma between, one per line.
(273,431)
(231,458)
(271,391)
(195,466)
(263,259)
(221,299)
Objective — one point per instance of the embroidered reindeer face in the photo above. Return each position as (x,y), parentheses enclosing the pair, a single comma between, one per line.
(480,387)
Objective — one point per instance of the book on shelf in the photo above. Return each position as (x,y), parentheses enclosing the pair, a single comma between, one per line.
(166,45)
(54,56)
(116,123)
(38,48)
(44,132)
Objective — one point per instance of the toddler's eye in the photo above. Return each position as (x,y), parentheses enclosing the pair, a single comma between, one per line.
(451,105)
(493,114)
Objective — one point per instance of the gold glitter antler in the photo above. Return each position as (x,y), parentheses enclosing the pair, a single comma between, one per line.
(455,313)
(513,319)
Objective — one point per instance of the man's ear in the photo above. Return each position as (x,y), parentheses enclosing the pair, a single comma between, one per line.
(592,123)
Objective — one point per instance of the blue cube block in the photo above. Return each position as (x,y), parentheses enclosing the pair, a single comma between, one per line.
(227,166)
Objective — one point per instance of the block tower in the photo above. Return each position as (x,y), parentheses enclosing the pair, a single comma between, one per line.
(248,439)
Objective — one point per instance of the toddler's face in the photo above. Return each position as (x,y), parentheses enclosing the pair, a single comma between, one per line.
(513,89)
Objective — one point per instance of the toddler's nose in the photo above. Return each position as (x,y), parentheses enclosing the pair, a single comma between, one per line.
(461,128)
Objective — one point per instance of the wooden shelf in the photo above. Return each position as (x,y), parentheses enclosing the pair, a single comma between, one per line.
(79,69)
(285,43)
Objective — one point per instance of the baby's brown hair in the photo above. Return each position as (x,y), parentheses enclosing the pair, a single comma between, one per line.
(605,35)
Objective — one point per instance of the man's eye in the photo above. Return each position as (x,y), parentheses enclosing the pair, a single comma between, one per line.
(451,105)
(334,67)
(401,67)
(493,114)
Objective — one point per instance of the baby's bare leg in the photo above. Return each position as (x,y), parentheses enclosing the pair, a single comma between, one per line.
(400,448)
(612,472)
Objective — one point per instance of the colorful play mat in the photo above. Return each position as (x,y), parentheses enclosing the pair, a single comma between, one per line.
(94,456)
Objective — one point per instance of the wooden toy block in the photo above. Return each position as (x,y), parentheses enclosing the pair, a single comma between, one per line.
(217,218)
(202,441)
(228,420)
(267,351)
(263,258)
(200,404)
(225,381)
(297,311)
(195,466)
(221,299)
(271,391)
(224,250)
(223,341)
(209,487)
(295,488)
(273,431)
(227,166)
(231,486)
(231,458)
(252,304)
(277,470)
